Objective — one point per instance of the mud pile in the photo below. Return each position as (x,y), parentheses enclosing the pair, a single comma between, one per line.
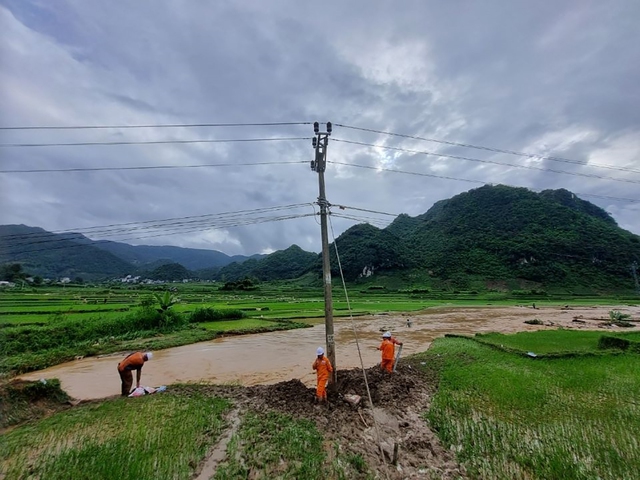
(395,390)
(399,401)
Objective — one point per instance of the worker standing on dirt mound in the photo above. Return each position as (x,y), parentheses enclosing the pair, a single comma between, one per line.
(323,369)
(133,361)
(387,347)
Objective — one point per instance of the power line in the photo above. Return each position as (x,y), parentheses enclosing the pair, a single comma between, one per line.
(105,230)
(168,232)
(393,170)
(358,218)
(118,228)
(457,157)
(151,167)
(491,149)
(419,174)
(151,142)
(165,125)
(342,207)
(607,197)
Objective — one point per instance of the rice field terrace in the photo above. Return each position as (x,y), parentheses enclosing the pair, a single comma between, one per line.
(513,417)
(271,301)
(44,326)
(554,342)
(462,409)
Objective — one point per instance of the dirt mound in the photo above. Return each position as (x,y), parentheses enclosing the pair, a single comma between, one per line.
(387,390)
(22,401)
(395,389)
(399,401)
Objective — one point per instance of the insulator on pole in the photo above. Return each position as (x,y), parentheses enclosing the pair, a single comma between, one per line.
(316,127)
(329,127)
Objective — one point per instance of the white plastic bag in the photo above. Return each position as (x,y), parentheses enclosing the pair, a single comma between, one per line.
(138,392)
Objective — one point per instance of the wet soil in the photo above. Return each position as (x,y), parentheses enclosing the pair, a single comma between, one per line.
(399,401)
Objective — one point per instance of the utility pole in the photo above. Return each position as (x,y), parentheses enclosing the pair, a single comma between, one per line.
(634,267)
(319,164)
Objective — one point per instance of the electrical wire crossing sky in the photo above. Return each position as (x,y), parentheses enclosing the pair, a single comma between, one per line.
(178,118)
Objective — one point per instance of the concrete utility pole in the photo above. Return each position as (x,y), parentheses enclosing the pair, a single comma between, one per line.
(319,164)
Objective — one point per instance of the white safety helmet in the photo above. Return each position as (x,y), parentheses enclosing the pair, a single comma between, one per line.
(386,335)
(320,351)
(149,355)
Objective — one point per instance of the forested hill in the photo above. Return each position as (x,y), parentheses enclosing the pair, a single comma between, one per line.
(191,258)
(499,232)
(283,264)
(58,255)
(486,234)
(73,255)
(504,232)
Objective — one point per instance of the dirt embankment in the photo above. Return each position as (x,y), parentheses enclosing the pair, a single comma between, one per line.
(399,401)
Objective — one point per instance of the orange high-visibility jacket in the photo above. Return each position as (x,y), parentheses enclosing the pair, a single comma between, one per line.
(323,366)
(133,361)
(388,349)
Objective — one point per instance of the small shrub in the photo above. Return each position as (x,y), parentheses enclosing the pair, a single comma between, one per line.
(203,315)
(33,391)
(535,321)
(20,400)
(606,342)
(616,316)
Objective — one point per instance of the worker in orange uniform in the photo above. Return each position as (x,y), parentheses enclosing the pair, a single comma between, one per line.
(323,369)
(388,351)
(133,361)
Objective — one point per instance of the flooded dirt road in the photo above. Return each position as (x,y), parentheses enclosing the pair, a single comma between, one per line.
(278,356)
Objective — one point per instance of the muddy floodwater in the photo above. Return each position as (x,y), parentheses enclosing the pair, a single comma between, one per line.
(278,356)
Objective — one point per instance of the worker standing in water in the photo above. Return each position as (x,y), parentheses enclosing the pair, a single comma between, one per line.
(323,369)
(133,361)
(387,347)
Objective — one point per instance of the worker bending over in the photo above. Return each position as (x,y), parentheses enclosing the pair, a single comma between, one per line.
(387,347)
(133,361)
(323,369)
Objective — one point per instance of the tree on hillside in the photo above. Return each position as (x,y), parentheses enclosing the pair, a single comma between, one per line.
(12,272)
(170,272)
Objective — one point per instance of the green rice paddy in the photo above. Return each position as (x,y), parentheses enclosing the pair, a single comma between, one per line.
(512,417)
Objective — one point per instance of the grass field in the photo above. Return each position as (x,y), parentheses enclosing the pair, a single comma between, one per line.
(546,341)
(160,436)
(166,436)
(277,446)
(92,320)
(242,324)
(271,301)
(505,416)
(552,341)
(510,417)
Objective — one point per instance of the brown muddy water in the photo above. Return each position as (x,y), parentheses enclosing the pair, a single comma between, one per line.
(278,356)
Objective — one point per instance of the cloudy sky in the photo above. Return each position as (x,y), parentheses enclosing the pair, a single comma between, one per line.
(557,79)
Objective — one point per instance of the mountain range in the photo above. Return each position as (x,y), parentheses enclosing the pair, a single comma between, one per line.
(489,234)
(74,255)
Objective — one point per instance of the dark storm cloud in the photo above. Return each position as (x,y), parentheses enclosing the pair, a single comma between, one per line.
(555,78)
